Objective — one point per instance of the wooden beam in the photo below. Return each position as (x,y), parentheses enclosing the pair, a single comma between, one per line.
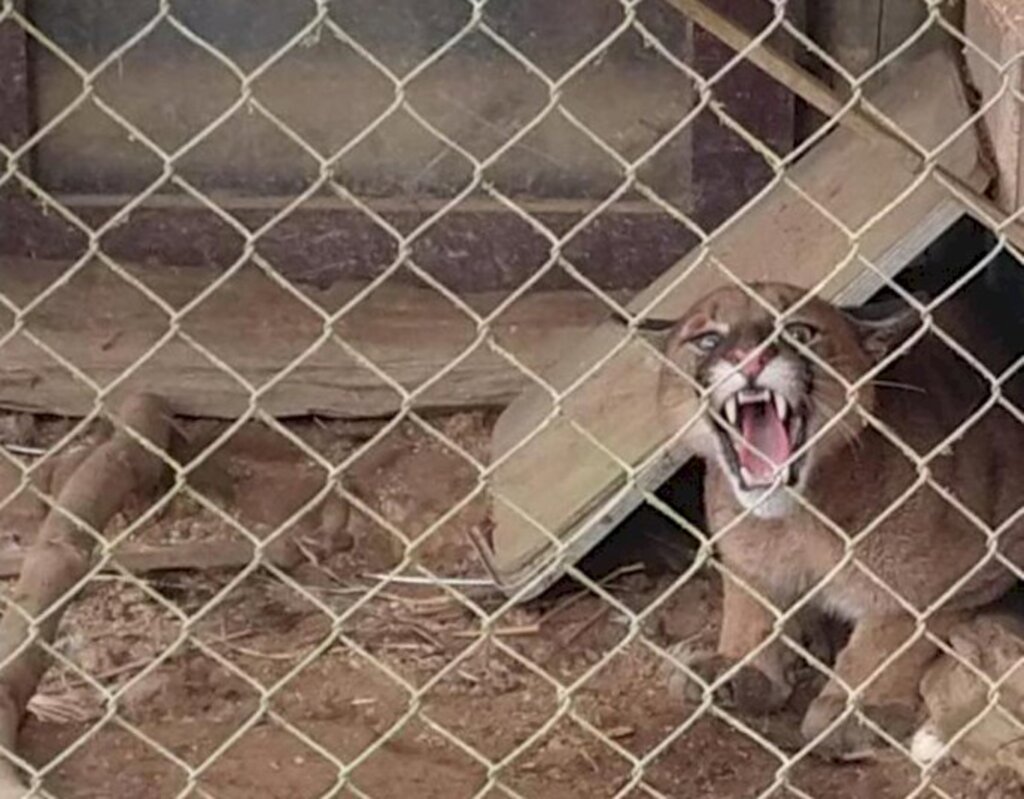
(142,559)
(234,202)
(103,326)
(479,248)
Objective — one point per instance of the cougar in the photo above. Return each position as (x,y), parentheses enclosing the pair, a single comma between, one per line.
(855,461)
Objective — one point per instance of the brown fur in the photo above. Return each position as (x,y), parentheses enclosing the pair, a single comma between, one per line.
(919,545)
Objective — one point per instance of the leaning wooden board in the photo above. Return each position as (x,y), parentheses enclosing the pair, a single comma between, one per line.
(561,485)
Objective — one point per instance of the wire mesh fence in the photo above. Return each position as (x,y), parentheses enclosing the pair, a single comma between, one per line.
(283,673)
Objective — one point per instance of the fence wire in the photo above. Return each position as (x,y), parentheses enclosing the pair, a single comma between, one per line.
(323,23)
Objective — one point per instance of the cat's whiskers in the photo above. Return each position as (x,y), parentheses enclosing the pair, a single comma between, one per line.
(838,363)
(837,421)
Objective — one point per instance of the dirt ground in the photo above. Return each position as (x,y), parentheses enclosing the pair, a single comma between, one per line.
(256,681)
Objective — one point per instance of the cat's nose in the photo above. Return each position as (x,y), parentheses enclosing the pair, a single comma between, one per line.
(751,363)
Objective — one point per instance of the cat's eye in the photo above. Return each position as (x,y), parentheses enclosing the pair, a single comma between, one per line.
(801,332)
(705,342)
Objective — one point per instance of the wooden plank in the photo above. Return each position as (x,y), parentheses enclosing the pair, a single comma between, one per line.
(102,325)
(472,249)
(15,108)
(141,559)
(561,483)
(424,205)
(996,28)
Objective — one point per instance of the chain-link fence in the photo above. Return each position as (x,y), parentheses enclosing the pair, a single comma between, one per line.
(269,270)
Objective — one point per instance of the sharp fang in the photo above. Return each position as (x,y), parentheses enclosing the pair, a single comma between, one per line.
(748,478)
(787,473)
(781,406)
(732,412)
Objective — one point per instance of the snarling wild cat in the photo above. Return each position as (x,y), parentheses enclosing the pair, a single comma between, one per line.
(869,492)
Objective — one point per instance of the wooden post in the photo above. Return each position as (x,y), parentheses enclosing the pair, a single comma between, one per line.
(996,28)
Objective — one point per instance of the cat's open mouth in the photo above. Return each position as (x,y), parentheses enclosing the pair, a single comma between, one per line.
(762,432)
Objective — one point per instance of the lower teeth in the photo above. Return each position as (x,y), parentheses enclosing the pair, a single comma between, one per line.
(782,475)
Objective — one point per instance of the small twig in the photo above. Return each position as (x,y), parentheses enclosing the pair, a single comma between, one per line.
(522,629)
(451,611)
(622,571)
(468,677)
(901,386)
(293,654)
(224,638)
(424,633)
(429,603)
(22,449)
(585,625)
(567,602)
(625,731)
(590,760)
(561,606)
(403,646)
(484,551)
(344,590)
(426,606)
(256,653)
(307,552)
(409,579)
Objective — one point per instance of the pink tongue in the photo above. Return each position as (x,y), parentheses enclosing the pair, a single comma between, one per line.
(764,436)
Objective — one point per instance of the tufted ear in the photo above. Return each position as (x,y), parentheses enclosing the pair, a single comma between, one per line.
(654,330)
(882,326)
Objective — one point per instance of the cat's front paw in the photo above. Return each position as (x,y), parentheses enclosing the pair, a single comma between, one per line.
(747,689)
